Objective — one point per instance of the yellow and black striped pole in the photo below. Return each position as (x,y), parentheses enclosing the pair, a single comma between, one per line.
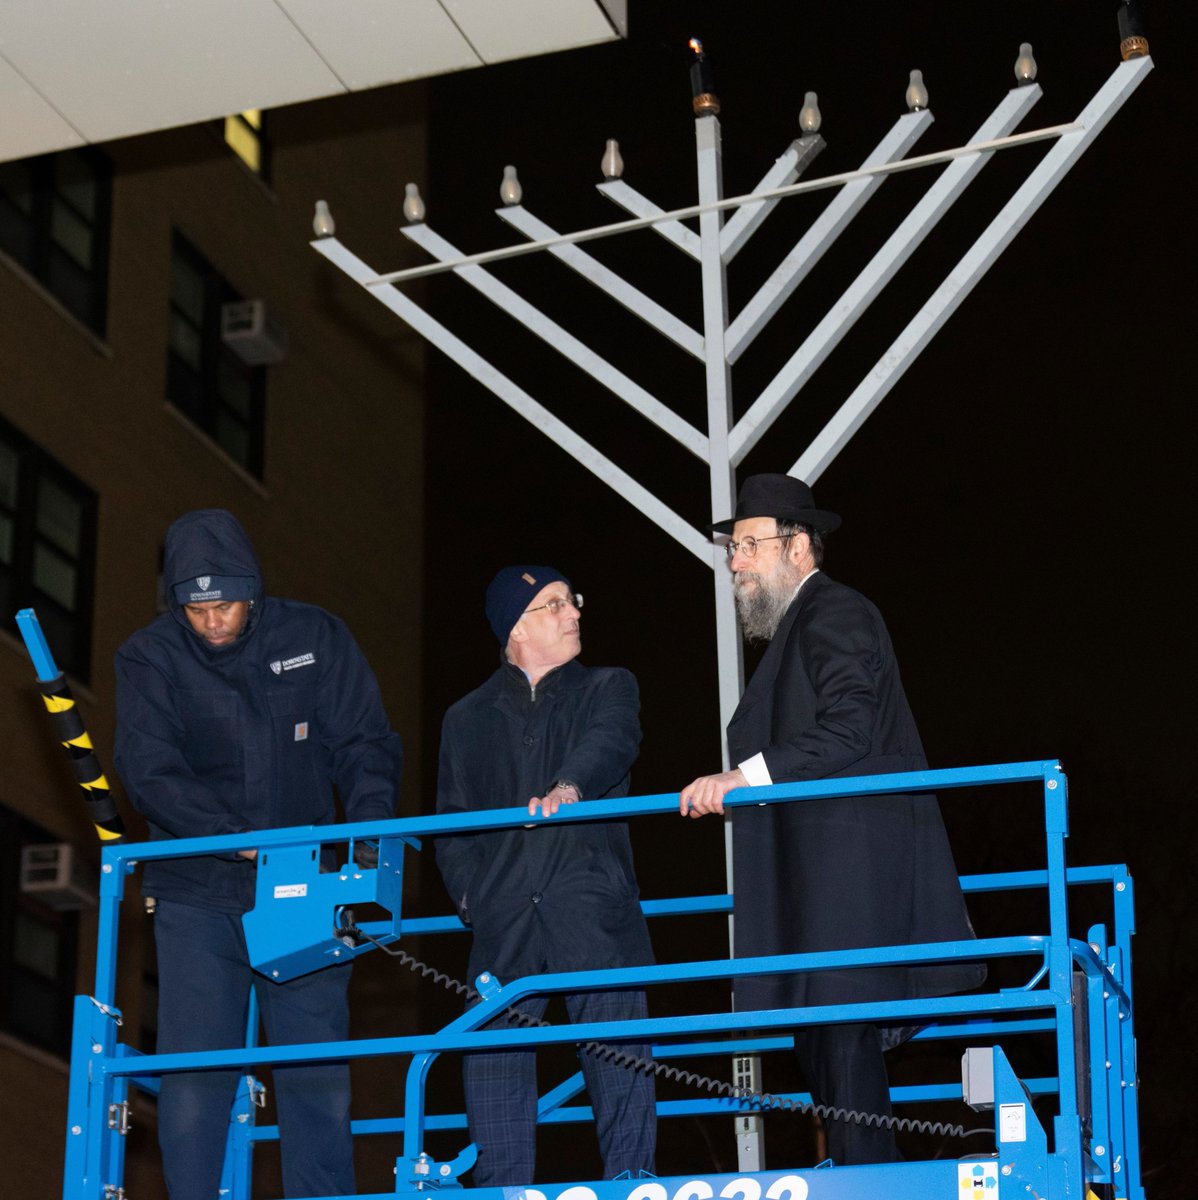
(68,727)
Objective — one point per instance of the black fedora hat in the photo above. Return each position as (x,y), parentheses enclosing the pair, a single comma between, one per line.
(782,497)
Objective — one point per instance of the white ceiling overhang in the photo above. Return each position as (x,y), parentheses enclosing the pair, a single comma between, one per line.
(79,71)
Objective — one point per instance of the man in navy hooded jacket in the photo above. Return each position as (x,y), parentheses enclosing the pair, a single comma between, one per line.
(235,712)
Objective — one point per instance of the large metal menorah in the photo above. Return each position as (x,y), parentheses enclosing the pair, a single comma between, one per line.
(721,342)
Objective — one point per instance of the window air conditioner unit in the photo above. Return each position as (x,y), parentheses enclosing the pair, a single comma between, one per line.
(252,333)
(53,874)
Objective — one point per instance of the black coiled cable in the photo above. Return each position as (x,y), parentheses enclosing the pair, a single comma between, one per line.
(760,1100)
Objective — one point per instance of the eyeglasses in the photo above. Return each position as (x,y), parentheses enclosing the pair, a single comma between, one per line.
(748,545)
(571,599)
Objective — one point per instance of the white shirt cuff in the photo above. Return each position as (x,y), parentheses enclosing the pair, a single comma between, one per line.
(755,771)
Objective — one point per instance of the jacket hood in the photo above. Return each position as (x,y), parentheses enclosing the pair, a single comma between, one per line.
(209,541)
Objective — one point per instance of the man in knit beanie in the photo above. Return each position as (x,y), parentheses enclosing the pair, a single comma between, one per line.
(544,731)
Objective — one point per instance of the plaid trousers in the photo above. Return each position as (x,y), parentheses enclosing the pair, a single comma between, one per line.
(501,1097)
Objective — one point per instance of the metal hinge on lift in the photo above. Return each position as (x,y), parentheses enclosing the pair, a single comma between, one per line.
(256,1092)
(750,1131)
(118,1119)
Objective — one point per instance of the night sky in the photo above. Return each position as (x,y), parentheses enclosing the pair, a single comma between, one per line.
(1018,507)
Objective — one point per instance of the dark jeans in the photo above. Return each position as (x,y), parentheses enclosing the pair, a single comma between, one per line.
(204,981)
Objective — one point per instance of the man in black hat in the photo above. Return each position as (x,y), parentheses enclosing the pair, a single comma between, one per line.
(826,701)
(544,731)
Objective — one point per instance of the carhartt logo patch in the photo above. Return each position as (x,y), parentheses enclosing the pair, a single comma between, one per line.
(301,732)
(528,578)
(202,582)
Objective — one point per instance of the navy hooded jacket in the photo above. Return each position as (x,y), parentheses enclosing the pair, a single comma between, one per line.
(252,735)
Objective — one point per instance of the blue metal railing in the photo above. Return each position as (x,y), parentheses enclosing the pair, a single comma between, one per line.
(102,1068)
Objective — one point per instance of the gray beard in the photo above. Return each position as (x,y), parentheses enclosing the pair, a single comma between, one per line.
(761,610)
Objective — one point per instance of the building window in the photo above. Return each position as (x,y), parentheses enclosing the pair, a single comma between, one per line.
(55,213)
(245,134)
(47,548)
(38,947)
(205,380)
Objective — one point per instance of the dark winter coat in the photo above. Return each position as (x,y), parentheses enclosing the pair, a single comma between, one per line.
(254,735)
(552,897)
(825,702)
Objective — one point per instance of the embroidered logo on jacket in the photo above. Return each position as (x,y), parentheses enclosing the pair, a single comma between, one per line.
(290,664)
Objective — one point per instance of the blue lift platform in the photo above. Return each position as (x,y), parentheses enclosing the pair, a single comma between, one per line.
(1077,999)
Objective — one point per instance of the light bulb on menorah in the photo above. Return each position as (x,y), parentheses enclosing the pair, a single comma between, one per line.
(510,190)
(612,163)
(413,204)
(323,224)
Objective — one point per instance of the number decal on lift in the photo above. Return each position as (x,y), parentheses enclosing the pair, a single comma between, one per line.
(573,1193)
(695,1189)
(648,1191)
(746,1189)
(785,1187)
(794,1186)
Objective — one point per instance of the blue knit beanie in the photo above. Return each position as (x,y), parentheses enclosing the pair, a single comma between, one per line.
(512,591)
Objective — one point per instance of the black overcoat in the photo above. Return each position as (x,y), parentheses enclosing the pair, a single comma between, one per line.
(827,701)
